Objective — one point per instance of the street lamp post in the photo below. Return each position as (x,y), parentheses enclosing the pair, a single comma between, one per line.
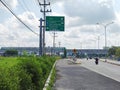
(105,27)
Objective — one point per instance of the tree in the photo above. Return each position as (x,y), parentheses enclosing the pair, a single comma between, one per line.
(117,53)
(112,51)
(11,53)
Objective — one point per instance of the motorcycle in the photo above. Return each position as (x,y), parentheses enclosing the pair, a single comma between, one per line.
(96,61)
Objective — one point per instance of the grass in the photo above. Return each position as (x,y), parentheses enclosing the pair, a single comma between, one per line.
(52,80)
(6,62)
(23,73)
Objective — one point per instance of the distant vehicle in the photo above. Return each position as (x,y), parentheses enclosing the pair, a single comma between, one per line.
(90,57)
(96,61)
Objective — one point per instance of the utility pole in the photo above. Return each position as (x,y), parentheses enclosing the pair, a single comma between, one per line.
(54,35)
(44,11)
(40,39)
(59,44)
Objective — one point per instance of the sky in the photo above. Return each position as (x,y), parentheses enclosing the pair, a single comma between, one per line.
(81,28)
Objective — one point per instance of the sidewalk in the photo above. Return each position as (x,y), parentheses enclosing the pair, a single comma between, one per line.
(111,61)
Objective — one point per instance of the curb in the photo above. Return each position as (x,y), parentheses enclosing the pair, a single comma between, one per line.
(48,80)
(111,63)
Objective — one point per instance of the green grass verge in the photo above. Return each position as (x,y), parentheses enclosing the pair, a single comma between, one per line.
(25,73)
(7,62)
(52,80)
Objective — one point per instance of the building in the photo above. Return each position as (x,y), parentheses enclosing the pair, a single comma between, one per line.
(58,51)
(88,52)
(34,50)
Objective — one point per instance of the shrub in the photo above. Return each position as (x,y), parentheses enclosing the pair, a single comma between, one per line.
(33,70)
(29,73)
(9,79)
(11,53)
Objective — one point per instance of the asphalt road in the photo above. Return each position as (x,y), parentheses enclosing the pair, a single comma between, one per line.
(104,68)
(77,77)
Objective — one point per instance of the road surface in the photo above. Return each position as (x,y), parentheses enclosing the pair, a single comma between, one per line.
(87,76)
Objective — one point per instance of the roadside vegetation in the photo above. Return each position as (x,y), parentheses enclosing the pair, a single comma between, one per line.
(26,72)
(52,80)
(114,53)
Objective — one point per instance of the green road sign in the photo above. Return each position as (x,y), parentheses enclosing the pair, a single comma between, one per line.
(55,23)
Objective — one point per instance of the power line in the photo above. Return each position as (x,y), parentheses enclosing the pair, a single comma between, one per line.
(36,3)
(23,5)
(18,18)
(48,1)
(39,4)
(26,6)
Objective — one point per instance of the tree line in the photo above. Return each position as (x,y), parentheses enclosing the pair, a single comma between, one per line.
(114,52)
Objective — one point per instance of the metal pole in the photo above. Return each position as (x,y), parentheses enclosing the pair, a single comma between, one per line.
(54,41)
(98,45)
(105,27)
(105,43)
(59,44)
(44,15)
(105,38)
(98,41)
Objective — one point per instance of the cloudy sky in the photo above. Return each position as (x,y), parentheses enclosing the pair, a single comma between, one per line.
(81,30)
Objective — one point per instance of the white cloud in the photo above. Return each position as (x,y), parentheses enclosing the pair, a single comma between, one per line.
(16,32)
(10,3)
(3,33)
(81,17)
(89,12)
